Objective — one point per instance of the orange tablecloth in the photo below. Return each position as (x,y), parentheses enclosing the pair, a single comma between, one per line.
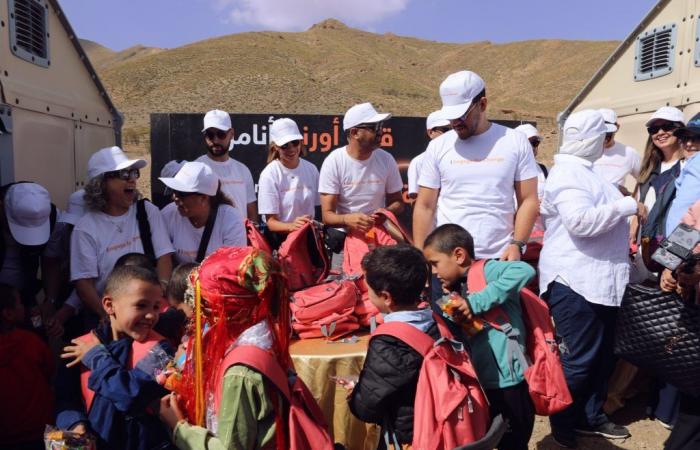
(315,361)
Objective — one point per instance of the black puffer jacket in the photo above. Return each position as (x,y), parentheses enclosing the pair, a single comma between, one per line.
(387,387)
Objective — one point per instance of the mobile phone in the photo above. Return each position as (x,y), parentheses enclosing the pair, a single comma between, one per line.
(677,247)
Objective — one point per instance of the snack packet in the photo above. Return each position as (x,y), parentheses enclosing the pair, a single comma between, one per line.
(56,439)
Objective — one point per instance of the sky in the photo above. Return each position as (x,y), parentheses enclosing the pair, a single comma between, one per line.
(172,23)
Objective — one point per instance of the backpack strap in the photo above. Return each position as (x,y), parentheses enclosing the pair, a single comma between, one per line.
(261,361)
(408,334)
(145,229)
(497,317)
(394,227)
(545,171)
(206,235)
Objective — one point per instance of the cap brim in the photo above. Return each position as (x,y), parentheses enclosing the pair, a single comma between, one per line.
(687,131)
(288,138)
(38,235)
(378,118)
(610,128)
(176,185)
(453,112)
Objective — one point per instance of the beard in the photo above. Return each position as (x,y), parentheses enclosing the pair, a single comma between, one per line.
(217,149)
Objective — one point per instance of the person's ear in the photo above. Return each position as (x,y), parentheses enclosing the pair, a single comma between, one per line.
(230,133)
(460,255)
(387,299)
(108,305)
(483,102)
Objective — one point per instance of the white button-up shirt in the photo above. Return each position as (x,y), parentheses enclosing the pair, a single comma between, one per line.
(586,232)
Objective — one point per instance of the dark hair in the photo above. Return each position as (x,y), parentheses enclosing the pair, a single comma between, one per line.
(220,198)
(653,156)
(400,270)
(178,282)
(448,237)
(135,259)
(8,296)
(479,96)
(122,275)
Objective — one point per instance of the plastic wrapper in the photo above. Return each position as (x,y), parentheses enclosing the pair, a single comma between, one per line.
(55,439)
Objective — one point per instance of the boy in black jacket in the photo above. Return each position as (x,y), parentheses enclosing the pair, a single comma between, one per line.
(386,389)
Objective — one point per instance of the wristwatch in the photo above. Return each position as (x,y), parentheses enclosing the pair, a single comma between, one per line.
(522,246)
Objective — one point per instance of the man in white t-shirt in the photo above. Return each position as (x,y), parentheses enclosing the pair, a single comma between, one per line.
(359,178)
(618,160)
(480,175)
(236,179)
(435,126)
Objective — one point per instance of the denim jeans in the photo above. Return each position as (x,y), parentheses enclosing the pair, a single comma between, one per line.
(587,331)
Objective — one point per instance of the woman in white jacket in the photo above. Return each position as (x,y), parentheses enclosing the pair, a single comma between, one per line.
(583,272)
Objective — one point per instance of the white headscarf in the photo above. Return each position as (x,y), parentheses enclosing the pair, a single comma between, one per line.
(583,135)
(589,149)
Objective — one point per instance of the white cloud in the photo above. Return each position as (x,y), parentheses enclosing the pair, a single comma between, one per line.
(297,15)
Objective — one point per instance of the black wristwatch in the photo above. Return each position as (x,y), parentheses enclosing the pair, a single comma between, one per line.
(522,246)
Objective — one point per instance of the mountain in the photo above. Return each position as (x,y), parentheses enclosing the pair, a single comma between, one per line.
(331,66)
(102,57)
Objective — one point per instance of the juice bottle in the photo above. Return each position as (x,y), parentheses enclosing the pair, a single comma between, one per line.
(448,304)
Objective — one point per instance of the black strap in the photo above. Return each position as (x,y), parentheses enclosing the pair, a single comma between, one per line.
(145,229)
(206,235)
(545,171)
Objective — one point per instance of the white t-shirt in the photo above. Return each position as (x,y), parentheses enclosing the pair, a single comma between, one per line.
(229,231)
(617,162)
(476,179)
(361,186)
(236,181)
(413,171)
(99,239)
(288,193)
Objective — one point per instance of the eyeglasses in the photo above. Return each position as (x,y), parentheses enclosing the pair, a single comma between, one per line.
(376,127)
(464,116)
(441,129)
(665,127)
(211,134)
(294,143)
(124,174)
(180,194)
(535,142)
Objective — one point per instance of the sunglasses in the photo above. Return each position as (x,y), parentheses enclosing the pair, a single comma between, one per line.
(535,142)
(219,134)
(124,174)
(464,116)
(441,129)
(376,127)
(665,127)
(180,194)
(294,143)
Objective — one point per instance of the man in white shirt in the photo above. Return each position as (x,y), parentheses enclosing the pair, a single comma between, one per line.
(359,178)
(435,126)
(236,179)
(474,175)
(618,160)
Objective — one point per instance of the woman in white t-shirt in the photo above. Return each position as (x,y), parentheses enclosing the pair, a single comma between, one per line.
(197,201)
(110,228)
(288,186)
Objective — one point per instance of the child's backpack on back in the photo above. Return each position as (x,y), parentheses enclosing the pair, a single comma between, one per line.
(543,371)
(306,426)
(450,409)
(255,237)
(303,257)
(325,310)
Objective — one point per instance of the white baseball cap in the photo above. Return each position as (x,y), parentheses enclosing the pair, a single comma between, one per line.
(457,93)
(610,118)
(584,124)
(284,130)
(75,208)
(435,120)
(217,118)
(194,177)
(670,113)
(28,211)
(362,113)
(529,130)
(171,168)
(110,159)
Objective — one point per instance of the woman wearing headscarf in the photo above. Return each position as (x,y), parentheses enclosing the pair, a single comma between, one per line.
(584,271)
(244,301)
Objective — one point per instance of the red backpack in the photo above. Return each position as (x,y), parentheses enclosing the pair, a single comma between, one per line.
(303,257)
(325,310)
(307,428)
(543,372)
(450,409)
(255,237)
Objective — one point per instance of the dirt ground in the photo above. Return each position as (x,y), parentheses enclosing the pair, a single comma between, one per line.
(646,433)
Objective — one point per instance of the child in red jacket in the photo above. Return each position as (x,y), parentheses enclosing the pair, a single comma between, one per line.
(26,366)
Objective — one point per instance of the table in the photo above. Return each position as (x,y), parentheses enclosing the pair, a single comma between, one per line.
(315,361)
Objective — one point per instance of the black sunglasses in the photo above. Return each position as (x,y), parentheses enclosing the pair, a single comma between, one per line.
(180,194)
(441,129)
(376,127)
(124,174)
(535,142)
(211,134)
(294,143)
(665,127)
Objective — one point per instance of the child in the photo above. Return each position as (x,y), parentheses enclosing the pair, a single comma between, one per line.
(386,390)
(244,301)
(109,387)
(450,251)
(26,366)
(177,287)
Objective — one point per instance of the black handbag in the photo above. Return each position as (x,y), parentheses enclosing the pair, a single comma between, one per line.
(657,331)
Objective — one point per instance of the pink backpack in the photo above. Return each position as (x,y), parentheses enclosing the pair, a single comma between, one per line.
(325,310)
(303,257)
(306,426)
(255,237)
(450,409)
(543,372)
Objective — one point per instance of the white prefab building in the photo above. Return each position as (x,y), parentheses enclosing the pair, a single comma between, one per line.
(54,112)
(657,65)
